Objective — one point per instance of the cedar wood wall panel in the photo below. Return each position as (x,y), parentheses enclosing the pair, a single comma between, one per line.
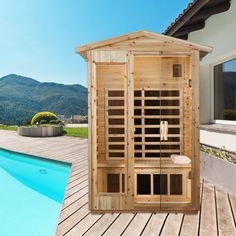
(106,67)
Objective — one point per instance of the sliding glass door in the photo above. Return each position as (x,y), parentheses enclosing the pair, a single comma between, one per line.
(225,91)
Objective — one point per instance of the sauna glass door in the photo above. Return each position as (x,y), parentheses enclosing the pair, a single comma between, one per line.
(174,183)
(160,87)
(111,123)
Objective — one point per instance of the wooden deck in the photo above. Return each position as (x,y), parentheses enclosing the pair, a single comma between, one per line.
(217,215)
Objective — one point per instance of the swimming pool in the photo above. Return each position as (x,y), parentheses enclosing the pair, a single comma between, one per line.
(31,194)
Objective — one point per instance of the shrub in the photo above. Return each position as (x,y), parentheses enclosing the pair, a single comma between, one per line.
(60,122)
(64,132)
(43,122)
(53,122)
(47,116)
(56,122)
(27,122)
(220,153)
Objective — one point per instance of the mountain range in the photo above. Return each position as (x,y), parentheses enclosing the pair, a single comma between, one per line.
(21,97)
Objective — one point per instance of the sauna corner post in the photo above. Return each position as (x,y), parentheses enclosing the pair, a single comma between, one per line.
(92,133)
(195,126)
(130,124)
(89,129)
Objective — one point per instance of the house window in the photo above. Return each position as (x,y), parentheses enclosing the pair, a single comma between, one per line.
(225,91)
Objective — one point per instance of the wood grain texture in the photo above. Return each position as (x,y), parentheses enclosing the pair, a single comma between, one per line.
(118,76)
(144,40)
(208,223)
(224,215)
(172,225)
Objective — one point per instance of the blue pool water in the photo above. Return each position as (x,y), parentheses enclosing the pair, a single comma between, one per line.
(31,194)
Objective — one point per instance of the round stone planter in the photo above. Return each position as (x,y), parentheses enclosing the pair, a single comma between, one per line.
(49,131)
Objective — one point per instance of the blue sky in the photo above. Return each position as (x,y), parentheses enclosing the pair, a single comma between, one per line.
(38,37)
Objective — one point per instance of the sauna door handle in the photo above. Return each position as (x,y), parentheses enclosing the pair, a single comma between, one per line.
(164,130)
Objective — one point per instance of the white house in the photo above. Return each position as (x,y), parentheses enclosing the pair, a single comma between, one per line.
(213,22)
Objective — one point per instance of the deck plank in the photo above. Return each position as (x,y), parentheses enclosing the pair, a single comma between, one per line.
(71,209)
(73,190)
(208,224)
(225,220)
(232,201)
(100,227)
(68,224)
(172,225)
(218,207)
(68,201)
(155,224)
(137,225)
(84,225)
(190,224)
(119,225)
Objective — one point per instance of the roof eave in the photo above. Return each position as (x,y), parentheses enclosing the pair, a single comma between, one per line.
(193,18)
(109,41)
(196,6)
(82,50)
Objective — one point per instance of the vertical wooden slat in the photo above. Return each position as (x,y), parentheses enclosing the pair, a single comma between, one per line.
(93,130)
(90,129)
(181,120)
(143,121)
(152,183)
(195,130)
(106,124)
(130,128)
(126,133)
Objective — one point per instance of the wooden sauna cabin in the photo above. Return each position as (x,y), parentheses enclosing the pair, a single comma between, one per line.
(143,123)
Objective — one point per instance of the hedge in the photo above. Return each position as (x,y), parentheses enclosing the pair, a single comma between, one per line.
(45,115)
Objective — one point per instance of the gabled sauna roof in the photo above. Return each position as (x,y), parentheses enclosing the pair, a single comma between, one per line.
(140,34)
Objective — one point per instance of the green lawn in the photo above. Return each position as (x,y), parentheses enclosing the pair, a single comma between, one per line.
(74,132)
(6,127)
(77,132)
